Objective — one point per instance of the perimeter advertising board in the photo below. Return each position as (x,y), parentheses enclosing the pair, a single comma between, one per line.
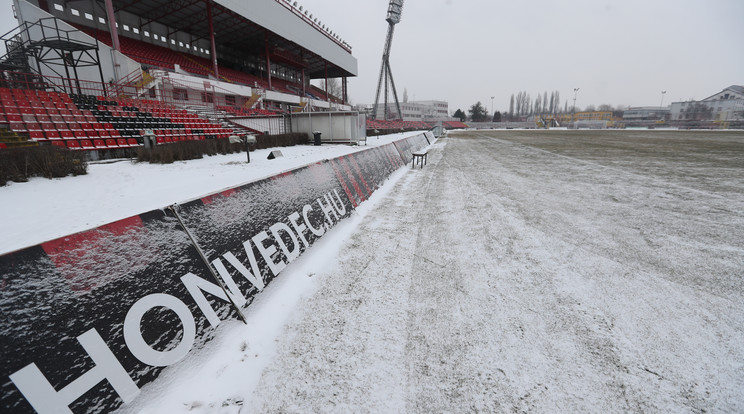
(90,318)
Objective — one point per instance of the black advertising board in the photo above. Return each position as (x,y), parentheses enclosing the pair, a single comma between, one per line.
(90,318)
(407,146)
(65,298)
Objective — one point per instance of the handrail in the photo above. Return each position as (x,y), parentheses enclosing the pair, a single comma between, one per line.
(58,32)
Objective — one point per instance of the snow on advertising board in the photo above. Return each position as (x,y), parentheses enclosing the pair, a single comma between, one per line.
(90,318)
(407,146)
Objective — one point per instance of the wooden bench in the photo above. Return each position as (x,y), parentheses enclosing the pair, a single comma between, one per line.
(420,156)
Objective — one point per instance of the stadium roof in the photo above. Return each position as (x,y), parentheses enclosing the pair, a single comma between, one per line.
(236,32)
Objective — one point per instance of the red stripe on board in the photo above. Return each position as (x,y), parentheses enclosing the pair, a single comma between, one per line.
(354,164)
(343,183)
(83,258)
(284,174)
(351,179)
(210,198)
(386,154)
(394,155)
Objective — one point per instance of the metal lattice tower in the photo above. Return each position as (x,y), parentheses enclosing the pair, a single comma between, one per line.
(386,74)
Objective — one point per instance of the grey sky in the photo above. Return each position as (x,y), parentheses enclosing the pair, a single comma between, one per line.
(463,51)
(617,52)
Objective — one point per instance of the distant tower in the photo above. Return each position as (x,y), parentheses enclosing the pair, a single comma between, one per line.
(393,17)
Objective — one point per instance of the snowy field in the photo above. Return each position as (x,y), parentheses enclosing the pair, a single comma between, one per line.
(519,271)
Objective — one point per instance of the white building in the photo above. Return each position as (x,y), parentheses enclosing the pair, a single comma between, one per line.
(645,113)
(417,111)
(727,105)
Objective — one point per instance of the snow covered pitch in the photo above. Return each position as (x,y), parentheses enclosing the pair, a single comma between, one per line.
(526,271)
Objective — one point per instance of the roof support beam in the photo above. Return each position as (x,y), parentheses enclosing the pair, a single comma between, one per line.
(112,25)
(268,58)
(111,17)
(344,98)
(215,69)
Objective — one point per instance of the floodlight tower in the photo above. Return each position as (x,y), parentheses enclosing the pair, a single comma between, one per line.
(386,74)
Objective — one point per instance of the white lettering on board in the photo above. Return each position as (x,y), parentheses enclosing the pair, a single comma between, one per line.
(133,334)
(46,400)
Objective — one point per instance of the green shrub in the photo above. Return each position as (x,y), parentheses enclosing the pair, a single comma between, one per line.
(187,150)
(191,150)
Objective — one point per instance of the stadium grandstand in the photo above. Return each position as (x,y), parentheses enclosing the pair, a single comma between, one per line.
(181,70)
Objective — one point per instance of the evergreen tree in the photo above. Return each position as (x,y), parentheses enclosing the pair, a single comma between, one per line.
(478,112)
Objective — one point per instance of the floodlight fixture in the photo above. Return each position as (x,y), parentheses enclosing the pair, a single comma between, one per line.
(395,9)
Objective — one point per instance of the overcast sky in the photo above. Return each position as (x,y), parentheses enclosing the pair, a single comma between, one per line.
(622,52)
(463,51)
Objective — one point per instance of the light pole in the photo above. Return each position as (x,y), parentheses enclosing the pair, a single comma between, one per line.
(573,115)
(661,105)
(492,107)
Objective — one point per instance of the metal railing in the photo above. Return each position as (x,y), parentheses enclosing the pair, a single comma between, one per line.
(308,20)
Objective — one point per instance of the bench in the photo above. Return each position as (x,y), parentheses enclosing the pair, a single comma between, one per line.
(420,156)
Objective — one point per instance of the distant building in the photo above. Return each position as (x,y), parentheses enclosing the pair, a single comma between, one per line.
(645,113)
(593,116)
(727,105)
(417,111)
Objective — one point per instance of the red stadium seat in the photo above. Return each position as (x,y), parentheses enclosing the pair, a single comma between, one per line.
(36,135)
(18,127)
(66,134)
(33,127)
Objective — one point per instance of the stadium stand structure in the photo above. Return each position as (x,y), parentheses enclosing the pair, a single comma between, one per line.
(97,122)
(232,63)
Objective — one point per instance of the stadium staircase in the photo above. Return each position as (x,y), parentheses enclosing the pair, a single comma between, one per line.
(300,107)
(11,139)
(15,64)
(146,82)
(250,103)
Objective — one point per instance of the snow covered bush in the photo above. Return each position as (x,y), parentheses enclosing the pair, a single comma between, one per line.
(20,164)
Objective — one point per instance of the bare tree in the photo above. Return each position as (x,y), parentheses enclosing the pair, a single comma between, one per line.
(333,87)
(519,103)
(511,107)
